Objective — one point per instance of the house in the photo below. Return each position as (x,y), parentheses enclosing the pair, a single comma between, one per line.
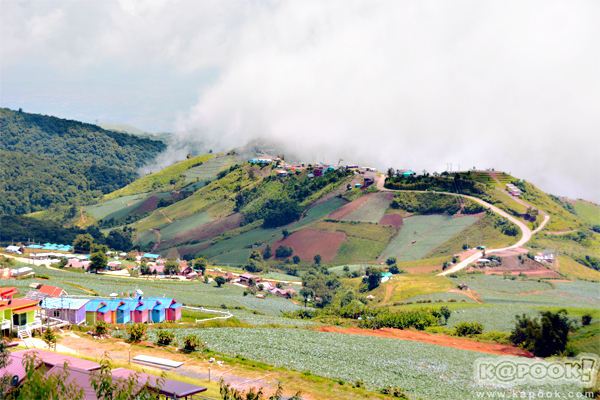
(52,291)
(463,286)
(114,265)
(282,173)
(79,372)
(19,315)
(284,292)
(369,180)
(139,311)
(72,310)
(159,269)
(171,307)
(266,286)
(97,310)
(150,257)
(156,311)
(7,293)
(74,263)
(15,273)
(483,261)
(245,278)
(15,249)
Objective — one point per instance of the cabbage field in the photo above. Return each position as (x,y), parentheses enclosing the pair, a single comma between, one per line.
(101,210)
(205,171)
(318,212)
(428,232)
(371,210)
(183,225)
(421,369)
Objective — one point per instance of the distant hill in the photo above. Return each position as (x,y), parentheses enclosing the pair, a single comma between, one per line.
(48,161)
(114,126)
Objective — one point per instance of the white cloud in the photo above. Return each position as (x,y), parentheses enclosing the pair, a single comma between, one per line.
(512,85)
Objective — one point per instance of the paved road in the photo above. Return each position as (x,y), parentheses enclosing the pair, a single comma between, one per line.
(526,232)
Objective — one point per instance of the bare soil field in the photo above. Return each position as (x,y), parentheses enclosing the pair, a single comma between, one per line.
(348,208)
(206,231)
(448,341)
(514,266)
(309,242)
(391,220)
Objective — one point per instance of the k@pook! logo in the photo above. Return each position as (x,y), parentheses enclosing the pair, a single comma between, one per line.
(581,370)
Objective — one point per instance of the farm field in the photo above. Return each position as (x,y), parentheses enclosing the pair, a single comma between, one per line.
(205,171)
(101,210)
(423,370)
(444,296)
(364,241)
(405,286)
(391,220)
(573,270)
(265,320)
(428,232)
(145,237)
(203,232)
(240,242)
(350,207)
(309,242)
(372,209)
(183,225)
(318,212)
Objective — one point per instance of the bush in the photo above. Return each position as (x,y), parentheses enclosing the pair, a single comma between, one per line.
(46,277)
(101,327)
(137,332)
(469,329)
(190,342)
(165,337)
(390,261)
(586,319)
(543,338)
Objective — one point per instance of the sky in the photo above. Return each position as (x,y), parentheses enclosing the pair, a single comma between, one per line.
(511,85)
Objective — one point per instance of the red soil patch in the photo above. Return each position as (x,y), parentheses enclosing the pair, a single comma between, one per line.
(466,293)
(309,242)
(391,220)
(348,208)
(208,230)
(405,334)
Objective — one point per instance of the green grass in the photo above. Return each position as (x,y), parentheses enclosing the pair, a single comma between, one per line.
(573,270)
(566,245)
(158,179)
(318,212)
(405,286)
(560,219)
(101,210)
(482,231)
(154,220)
(588,212)
(587,339)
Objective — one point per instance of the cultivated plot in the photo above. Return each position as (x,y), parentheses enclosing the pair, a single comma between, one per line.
(205,171)
(184,225)
(99,211)
(372,209)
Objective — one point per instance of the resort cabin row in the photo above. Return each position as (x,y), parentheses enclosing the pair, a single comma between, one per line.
(113,311)
(512,189)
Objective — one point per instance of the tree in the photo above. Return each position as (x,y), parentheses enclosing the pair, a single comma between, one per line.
(306,293)
(391,261)
(317,258)
(545,337)
(267,254)
(49,338)
(171,268)
(63,262)
(394,269)
(296,259)
(586,319)
(83,243)
(219,280)
(145,269)
(374,277)
(283,251)
(98,261)
(200,264)
(137,332)
(390,173)
(445,311)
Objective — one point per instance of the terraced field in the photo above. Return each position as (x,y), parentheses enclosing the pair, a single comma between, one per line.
(321,211)
(176,227)
(207,170)
(101,210)
(371,210)
(241,242)
(427,232)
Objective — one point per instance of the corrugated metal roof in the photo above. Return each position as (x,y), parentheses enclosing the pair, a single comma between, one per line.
(51,358)
(64,303)
(26,309)
(169,387)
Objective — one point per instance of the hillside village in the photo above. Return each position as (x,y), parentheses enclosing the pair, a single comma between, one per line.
(263,271)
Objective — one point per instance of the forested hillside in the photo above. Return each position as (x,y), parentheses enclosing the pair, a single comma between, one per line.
(47,161)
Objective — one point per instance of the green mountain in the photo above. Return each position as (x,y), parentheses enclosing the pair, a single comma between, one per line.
(48,161)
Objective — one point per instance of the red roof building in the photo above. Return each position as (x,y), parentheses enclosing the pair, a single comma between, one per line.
(52,291)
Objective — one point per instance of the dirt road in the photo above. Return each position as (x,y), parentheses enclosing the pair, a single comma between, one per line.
(526,232)
(448,341)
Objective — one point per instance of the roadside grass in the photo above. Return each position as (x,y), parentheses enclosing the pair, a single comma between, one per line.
(160,179)
(573,270)
(565,245)
(510,205)
(588,212)
(481,232)
(560,219)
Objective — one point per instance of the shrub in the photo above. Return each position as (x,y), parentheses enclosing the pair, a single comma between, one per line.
(469,329)
(137,332)
(101,327)
(586,319)
(190,342)
(391,261)
(543,338)
(165,337)
(46,277)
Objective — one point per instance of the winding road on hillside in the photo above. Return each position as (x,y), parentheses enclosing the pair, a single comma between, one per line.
(526,232)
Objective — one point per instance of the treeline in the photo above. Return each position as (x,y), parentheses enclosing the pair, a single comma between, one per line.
(283,206)
(445,183)
(432,203)
(47,161)
(21,229)
(34,183)
(50,136)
